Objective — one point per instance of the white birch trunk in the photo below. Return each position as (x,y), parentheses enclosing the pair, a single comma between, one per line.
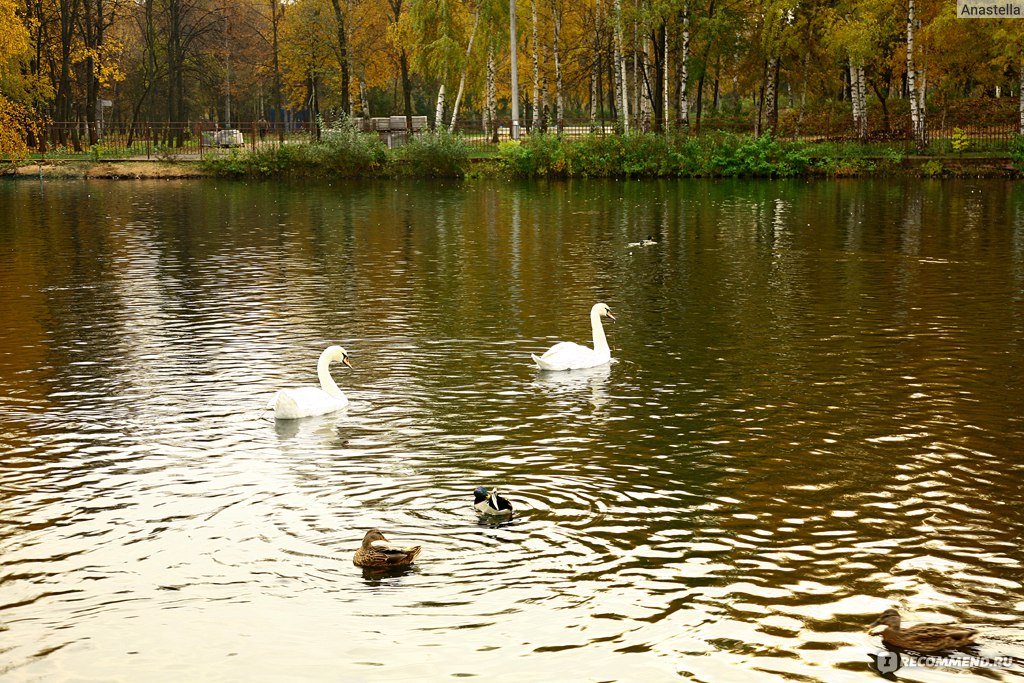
(536,69)
(664,78)
(621,92)
(637,85)
(462,79)
(557,17)
(544,91)
(916,115)
(491,96)
(439,110)
(862,89)
(595,73)
(684,73)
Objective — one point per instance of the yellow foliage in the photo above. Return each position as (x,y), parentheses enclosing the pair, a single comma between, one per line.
(14,38)
(105,61)
(16,123)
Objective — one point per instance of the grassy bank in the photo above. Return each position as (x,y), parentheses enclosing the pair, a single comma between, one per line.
(346,153)
(350,154)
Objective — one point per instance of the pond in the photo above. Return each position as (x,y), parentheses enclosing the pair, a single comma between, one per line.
(814,412)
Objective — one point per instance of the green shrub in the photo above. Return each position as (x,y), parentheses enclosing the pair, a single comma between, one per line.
(960,140)
(762,156)
(537,154)
(437,154)
(1016,151)
(344,151)
(932,169)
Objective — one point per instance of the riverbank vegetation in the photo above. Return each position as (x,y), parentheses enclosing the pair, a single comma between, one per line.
(345,153)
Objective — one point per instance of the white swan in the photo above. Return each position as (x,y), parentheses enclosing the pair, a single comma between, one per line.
(289,404)
(572,356)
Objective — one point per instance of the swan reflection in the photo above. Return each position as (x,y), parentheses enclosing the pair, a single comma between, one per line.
(578,381)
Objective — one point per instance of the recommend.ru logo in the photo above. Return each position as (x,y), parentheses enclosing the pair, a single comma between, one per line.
(887,661)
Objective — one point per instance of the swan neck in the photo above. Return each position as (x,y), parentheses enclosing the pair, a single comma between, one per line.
(327,383)
(600,341)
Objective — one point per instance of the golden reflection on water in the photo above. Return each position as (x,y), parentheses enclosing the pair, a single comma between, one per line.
(814,413)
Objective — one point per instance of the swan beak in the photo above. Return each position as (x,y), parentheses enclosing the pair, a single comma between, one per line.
(610,315)
(346,361)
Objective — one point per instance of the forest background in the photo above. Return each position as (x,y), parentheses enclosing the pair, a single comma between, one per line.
(70,70)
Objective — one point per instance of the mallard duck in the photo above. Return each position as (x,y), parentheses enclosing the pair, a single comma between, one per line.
(290,404)
(490,503)
(573,356)
(922,637)
(377,552)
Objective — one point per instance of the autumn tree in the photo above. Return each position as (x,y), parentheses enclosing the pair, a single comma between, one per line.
(18,124)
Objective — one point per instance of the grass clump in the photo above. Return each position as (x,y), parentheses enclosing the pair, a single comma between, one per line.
(651,155)
(436,154)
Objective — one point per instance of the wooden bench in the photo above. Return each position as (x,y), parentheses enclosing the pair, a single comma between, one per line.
(392,129)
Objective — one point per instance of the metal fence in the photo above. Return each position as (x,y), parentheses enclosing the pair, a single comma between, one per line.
(168,140)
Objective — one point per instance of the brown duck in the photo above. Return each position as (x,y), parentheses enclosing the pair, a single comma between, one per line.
(378,553)
(922,637)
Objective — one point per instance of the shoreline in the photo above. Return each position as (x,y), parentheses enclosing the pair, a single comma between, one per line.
(148,169)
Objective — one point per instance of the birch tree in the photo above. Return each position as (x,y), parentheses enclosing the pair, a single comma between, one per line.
(535,54)
(916,113)
(556,15)
(684,73)
(619,59)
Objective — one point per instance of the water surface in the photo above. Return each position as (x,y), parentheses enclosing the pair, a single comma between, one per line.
(815,413)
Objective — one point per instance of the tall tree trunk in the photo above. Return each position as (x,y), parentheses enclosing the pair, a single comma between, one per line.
(642,90)
(1020,91)
(403,61)
(557,17)
(535,123)
(339,18)
(92,32)
(771,95)
(64,106)
(543,92)
(595,68)
(439,110)
(664,77)
(462,79)
(621,91)
(638,91)
(858,91)
(684,72)
(703,72)
(276,14)
(916,113)
(491,96)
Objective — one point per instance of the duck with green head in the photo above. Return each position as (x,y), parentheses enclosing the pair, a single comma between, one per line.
(490,503)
